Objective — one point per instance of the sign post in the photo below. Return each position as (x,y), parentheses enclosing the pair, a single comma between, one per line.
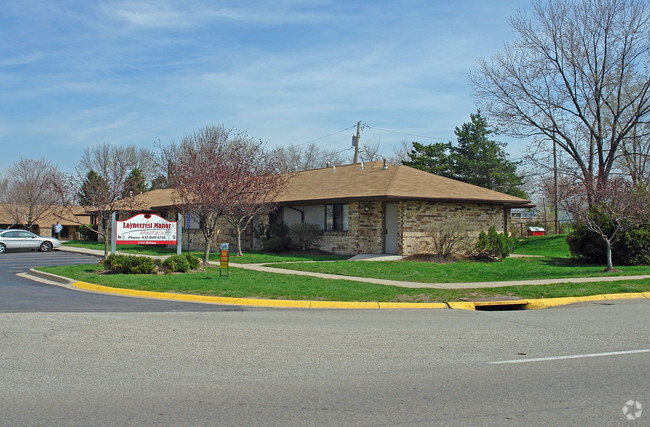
(224,259)
(179,234)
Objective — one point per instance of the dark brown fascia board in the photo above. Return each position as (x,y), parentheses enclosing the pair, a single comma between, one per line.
(307,202)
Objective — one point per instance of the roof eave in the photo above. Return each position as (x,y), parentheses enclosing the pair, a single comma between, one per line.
(383,198)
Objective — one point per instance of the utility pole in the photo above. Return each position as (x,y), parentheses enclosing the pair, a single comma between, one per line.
(356,146)
(557,230)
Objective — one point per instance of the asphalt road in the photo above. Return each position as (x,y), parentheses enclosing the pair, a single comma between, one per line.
(23,295)
(575,365)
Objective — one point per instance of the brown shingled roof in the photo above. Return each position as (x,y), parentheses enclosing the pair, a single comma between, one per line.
(351,182)
(61,215)
(151,200)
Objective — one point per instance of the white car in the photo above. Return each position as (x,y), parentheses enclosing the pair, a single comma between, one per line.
(22,239)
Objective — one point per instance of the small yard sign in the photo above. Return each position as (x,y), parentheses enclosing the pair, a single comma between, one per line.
(145,229)
(224,259)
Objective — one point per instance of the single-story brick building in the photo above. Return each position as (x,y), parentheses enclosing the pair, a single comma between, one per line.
(382,208)
(45,223)
(371,208)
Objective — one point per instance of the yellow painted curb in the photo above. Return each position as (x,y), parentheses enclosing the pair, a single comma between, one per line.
(121,291)
(629,295)
(462,305)
(344,304)
(272,303)
(592,298)
(554,302)
(534,304)
(204,298)
(394,305)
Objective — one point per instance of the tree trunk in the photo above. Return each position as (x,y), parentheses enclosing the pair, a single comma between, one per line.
(206,252)
(102,230)
(610,265)
(239,252)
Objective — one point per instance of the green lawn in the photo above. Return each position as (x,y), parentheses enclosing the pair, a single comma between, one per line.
(463,271)
(549,246)
(246,283)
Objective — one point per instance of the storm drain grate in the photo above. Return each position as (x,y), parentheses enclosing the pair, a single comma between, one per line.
(497,303)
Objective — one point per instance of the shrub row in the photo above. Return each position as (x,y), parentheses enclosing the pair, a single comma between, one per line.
(132,264)
(129,264)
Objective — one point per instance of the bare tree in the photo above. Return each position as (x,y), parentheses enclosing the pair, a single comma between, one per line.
(294,158)
(97,188)
(262,187)
(401,153)
(221,173)
(577,75)
(28,194)
(108,160)
(635,159)
(370,151)
(616,206)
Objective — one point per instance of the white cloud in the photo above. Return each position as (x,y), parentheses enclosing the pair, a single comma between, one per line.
(166,14)
(21,60)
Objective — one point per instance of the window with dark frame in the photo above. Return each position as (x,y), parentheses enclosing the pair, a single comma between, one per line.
(336,217)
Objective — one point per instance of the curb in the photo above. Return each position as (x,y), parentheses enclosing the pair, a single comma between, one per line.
(528,304)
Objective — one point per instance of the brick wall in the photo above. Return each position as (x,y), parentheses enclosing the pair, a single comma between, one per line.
(226,234)
(364,235)
(416,220)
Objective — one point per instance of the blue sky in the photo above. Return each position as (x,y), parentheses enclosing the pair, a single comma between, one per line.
(78,73)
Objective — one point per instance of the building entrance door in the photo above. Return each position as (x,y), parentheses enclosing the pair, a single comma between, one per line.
(390,217)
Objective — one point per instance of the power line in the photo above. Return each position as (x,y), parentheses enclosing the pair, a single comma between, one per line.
(327,136)
(401,133)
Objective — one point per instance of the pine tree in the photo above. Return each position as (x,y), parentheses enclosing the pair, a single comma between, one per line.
(476,159)
(134,184)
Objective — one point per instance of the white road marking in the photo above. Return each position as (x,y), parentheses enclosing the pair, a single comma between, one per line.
(575,356)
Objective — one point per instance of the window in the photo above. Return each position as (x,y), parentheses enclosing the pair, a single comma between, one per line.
(336,217)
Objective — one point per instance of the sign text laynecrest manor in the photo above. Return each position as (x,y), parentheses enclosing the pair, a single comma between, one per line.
(146,229)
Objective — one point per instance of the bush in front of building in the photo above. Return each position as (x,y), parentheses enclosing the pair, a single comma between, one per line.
(176,263)
(493,245)
(88,232)
(195,262)
(449,237)
(632,248)
(273,237)
(129,264)
(303,235)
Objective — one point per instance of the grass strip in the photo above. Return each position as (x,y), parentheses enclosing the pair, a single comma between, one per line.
(253,284)
(464,271)
(549,246)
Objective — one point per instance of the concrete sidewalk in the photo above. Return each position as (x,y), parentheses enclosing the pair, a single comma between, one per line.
(403,284)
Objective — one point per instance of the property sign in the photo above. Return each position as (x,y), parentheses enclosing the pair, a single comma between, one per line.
(145,229)
(223,259)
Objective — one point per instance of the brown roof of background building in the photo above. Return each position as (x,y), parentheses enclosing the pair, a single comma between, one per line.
(151,200)
(395,182)
(63,216)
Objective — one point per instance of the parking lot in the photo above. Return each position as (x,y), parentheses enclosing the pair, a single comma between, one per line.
(18,294)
